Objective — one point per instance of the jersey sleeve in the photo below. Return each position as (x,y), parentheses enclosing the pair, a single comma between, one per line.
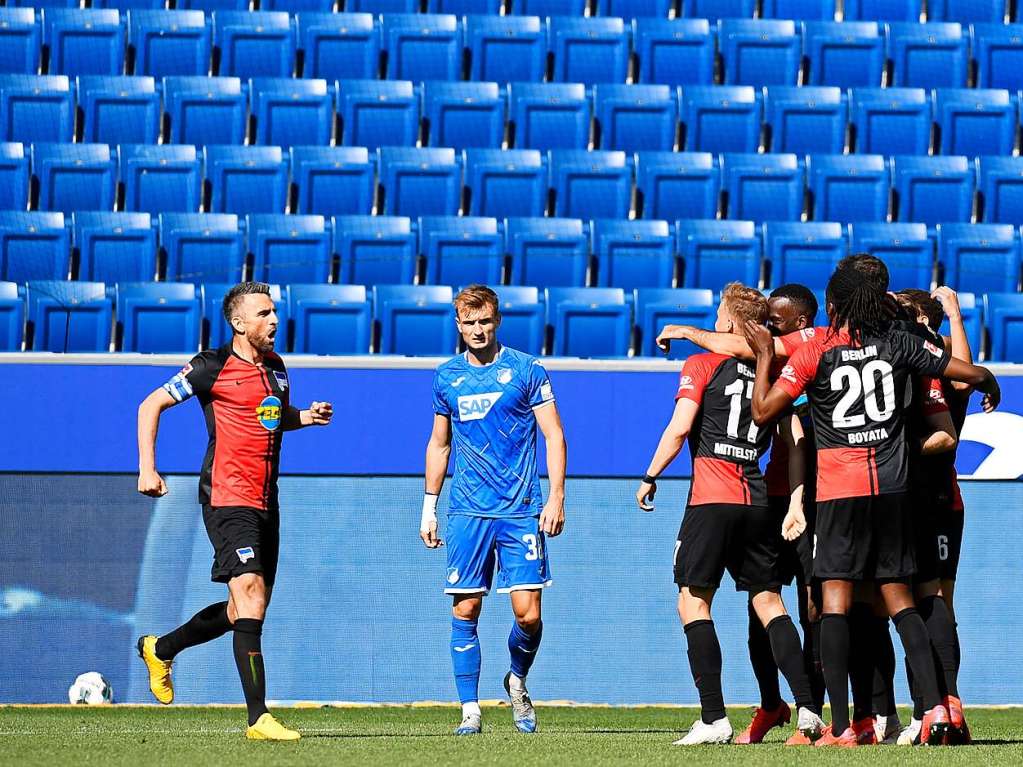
(920,355)
(194,378)
(696,374)
(538,385)
(440,404)
(801,369)
(931,395)
(793,342)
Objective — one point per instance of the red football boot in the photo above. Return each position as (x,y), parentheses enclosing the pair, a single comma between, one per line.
(763,722)
(935,727)
(860,733)
(865,733)
(959,731)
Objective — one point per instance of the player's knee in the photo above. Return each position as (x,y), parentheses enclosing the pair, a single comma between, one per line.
(529,620)
(467,609)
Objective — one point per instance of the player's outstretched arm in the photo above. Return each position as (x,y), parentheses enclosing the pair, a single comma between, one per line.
(670,445)
(960,346)
(768,401)
(552,520)
(978,377)
(438,449)
(790,431)
(729,344)
(317,414)
(152,407)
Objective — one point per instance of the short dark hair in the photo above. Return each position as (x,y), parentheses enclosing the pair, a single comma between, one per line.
(800,295)
(234,295)
(871,267)
(924,304)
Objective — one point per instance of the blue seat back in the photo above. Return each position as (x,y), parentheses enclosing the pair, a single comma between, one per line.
(377,113)
(12,317)
(158,317)
(212,6)
(759,51)
(506,49)
(339,46)
(549,7)
(523,320)
(1000,180)
(204,110)
(506,182)
(806,253)
(462,7)
(202,247)
(998,51)
(657,307)
(634,254)
(848,54)
(806,119)
(549,115)
(422,47)
(882,10)
(33,246)
(966,11)
(69,316)
(589,322)
(74,176)
(420,182)
(928,55)
(297,6)
(13,177)
(1003,316)
(980,258)
(976,121)
(19,42)
(160,179)
(635,118)
(589,50)
(674,52)
(415,319)
(84,42)
(375,250)
(763,187)
(292,112)
(933,190)
(799,10)
(36,108)
(170,43)
(462,115)
(114,247)
(890,120)
(847,187)
(119,110)
(720,118)
(249,179)
(254,44)
(462,250)
(593,184)
(719,9)
(674,185)
(330,319)
(333,181)
(548,252)
(383,6)
(632,9)
(718,252)
(289,249)
(905,249)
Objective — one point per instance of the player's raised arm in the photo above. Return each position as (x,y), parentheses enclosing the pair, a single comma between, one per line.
(668,447)
(768,401)
(552,519)
(730,344)
(152,407)
(790,431)
(960,342)
(438,449)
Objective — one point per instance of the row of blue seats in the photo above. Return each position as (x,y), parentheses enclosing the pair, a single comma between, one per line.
(397,319)
(407,181)
(450,250)
(632,118)
(509,49)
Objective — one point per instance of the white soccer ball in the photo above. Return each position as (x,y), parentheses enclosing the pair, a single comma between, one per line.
(91,688)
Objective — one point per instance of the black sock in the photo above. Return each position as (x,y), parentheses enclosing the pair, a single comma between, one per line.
(917,645)
(705,664)
(861,658)
(884,669)
(835,662)
(942,632)
(248,655)
(814,668)
(959,649)
(762,659)
(207,624)
(918,702)
(788,656)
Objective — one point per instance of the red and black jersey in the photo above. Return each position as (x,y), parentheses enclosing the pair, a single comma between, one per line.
(935,475)
(725,443)
(857,395)
(244,405)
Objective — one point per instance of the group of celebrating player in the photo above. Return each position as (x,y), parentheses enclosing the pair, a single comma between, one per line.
(859,502)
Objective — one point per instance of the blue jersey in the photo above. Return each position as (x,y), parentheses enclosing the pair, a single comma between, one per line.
(493,432)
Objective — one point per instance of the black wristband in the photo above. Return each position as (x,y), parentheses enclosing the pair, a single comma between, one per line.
(649,480)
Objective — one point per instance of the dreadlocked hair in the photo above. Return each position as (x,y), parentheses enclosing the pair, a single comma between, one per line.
(858,303)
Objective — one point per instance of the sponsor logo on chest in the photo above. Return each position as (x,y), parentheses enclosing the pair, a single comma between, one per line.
(269,413)
(473,407)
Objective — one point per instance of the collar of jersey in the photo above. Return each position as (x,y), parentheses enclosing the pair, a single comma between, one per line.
(465,356)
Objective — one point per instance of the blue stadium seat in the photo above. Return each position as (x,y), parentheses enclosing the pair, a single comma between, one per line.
(204,110)
(13,177)
(589,50)
(1000,181)
(998,51)
(463,115)
(36,108)
(674,52)
(634,254)
(928,55)
(523,322)
(905,249)
(461,250)
(158,317)
(289,249)
(332,181)
(119,110)
(721,118)
(415,319)
(114,247)
(506,182)
(19,43)
(890,120)
(980,258)
(339,46)
(462,7)
(591,184)
(634,118)
(850,54)
(848,187)
(589,322)
(422,47)
(1003,317)
(74,176)
(170,43)
(715,10)
(549,115)
(292,112)
(970,309)
(69,316)
(506,49)
(330,319)
(548,252)
(212,6)
(83,42)
(297,6)
(376,250)
(549,7)
(160,179)
(718,252)
(806,119)
(799,10)
(975,121)
(674,185)
(763,187)
(933,190)
(882,10)
(383,6)
(759,51)
(376,113)
(966,11)
(202,247)
(420,182)
(215,328)
(657,307)
(33,246)
(254,44)
(246,179)
(12,317)
(804,253)
(634,9)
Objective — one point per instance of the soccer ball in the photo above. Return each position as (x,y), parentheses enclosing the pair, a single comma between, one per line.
(91,688)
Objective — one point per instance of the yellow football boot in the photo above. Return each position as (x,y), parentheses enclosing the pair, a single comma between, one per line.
(268,728)
(159,670)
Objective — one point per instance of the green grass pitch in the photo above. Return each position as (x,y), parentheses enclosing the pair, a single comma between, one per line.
(590,736)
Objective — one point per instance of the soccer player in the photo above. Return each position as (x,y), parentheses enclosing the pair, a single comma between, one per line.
(853,375)
(727,523)
(488,402)
(244,391)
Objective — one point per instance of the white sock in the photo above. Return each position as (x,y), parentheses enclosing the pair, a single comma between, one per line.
(472,708)
(518,683)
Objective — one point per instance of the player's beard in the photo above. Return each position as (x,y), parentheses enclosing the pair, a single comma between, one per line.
(262,343)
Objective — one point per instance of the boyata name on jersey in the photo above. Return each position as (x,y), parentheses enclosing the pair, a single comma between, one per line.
(863,437)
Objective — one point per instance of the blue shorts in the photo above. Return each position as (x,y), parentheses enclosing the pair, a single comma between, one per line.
(476,544)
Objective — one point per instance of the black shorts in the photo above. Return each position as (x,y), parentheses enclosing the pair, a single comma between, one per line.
(939,540)
(795,558)
(715,537)
(865,539)
(245,540)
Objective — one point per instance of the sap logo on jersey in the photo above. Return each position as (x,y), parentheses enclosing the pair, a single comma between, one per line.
(473,407)
(269,413)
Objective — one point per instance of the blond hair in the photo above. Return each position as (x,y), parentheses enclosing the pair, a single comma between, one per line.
(744,303)
(476,297)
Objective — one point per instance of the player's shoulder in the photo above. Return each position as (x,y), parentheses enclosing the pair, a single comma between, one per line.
(707,361)
(209,359)
(450,368)
(519,359)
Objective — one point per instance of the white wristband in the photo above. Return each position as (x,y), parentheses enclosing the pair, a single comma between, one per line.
(429,512)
